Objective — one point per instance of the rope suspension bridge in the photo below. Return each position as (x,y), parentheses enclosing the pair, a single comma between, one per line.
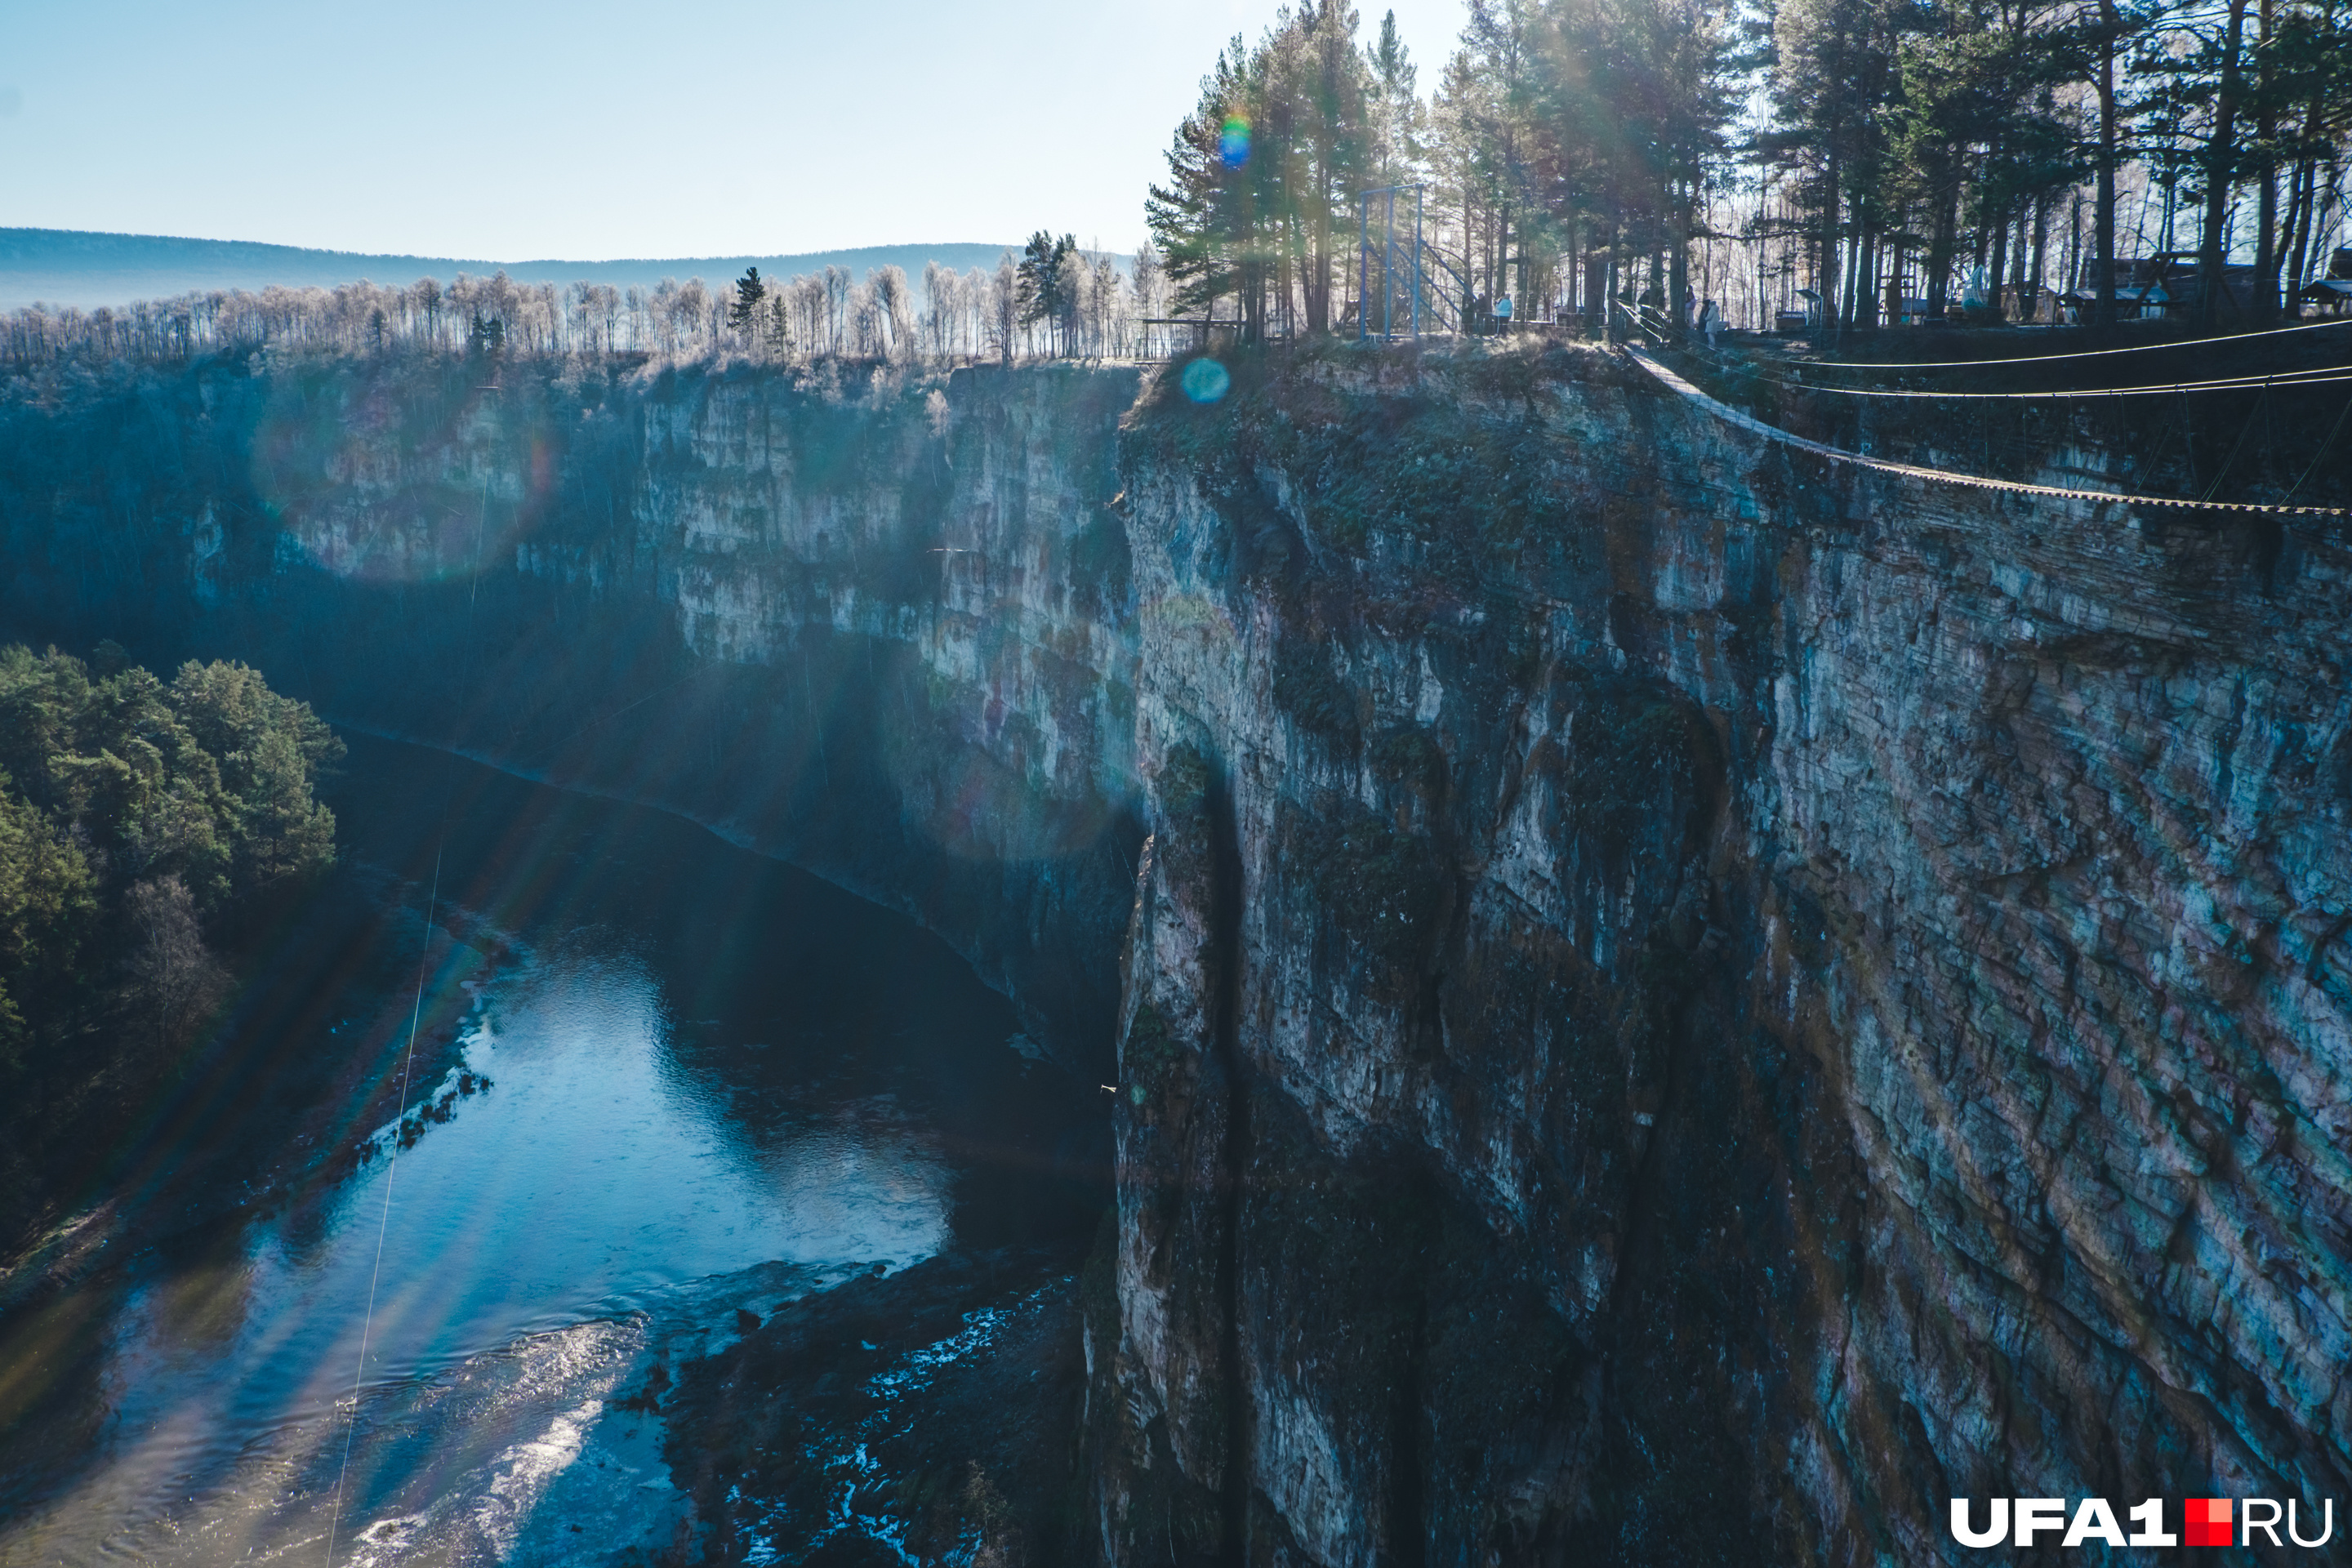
(2235,338)
(2317,377)
(1682,388)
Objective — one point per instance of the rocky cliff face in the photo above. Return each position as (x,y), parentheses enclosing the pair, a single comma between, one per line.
(1682,1008)
(1673,1004)
(879,624)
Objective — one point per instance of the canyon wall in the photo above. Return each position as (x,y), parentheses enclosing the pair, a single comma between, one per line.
(1671,1003)
(877,624)
(1686,1006)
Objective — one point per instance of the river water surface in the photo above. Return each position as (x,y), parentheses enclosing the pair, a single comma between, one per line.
(716,1084)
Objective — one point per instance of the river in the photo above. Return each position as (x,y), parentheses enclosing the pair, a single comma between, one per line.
(716,1086)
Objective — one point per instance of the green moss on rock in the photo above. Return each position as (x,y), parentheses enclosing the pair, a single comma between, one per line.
(1306,688)
(1383,887)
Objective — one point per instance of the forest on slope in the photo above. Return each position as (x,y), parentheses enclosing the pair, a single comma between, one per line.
(142,823)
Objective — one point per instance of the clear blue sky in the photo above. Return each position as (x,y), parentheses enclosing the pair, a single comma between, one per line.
(514,129)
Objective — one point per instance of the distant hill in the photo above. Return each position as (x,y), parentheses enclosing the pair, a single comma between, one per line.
(68,266)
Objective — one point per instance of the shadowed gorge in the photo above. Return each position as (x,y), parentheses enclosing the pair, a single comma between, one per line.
(1664,1002)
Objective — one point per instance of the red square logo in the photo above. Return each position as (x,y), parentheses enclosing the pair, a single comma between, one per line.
(2209,1521)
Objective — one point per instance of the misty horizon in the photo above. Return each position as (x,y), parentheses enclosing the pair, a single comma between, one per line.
(82,269)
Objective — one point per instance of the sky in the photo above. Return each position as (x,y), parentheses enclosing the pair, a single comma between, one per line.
(512,129)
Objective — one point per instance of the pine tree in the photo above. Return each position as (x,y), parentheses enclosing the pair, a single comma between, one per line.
(1048,287)
(1263,172)
(1394,112)
(1202,219)
(748,293)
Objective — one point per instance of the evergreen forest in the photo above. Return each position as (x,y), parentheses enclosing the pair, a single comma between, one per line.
(1889,158)
(144,824)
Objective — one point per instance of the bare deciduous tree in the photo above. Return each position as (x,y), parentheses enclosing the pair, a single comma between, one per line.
(174,981)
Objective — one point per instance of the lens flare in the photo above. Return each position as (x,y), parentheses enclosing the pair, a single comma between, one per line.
(1233,141)
(1205,381)
(372,496)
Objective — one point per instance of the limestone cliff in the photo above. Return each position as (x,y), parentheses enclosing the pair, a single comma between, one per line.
(1672,1004)
(877,623)
(1682,1008)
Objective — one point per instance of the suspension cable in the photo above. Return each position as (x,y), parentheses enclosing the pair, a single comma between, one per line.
(1730,415)
(2078,354)
(383,1222)
(408,1060)
(2321,376)
(2313,467)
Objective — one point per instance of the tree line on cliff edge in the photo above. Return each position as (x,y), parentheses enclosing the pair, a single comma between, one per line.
(1578,151)
(139,817)
(1871,154)
(1067,302)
